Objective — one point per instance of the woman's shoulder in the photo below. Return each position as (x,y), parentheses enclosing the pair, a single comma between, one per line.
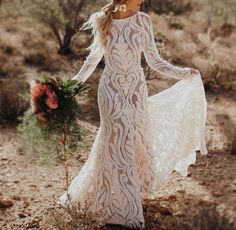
(144,15)
(145,18)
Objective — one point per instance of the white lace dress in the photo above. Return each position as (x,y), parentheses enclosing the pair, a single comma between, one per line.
(141,138)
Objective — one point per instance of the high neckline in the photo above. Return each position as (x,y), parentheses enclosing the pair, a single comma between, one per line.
(122,19)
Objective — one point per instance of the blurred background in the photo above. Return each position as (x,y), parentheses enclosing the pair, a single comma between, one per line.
(40,37)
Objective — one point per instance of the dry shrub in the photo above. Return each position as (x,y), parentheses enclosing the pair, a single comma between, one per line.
(9,66)
(160,6)
(72,218)
(44,61)
(11,103)
(37,41)
(174,21)
(35,58)
(9,69)
(217,69)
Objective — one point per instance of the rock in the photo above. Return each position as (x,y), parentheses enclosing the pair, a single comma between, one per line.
(217,193)
(33,185)
(164,211)
(15,197)
(202,183)
(26,203)
(180,214)
(48,186)
(181,191)
(22,215)
(5,203)
(4,158)
(172,198)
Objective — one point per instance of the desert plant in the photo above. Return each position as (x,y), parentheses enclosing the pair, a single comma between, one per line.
(221,12)
(72,218)
(209,43)
(11,104)
(61,16)
(174,21)
(159,6)
(215,67)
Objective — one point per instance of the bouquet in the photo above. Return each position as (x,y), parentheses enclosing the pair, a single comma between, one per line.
(51,122)
(53,100)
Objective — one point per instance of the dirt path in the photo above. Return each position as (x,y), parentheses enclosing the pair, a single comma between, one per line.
(31,186)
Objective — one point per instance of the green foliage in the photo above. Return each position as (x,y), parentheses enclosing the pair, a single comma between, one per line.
(43,143)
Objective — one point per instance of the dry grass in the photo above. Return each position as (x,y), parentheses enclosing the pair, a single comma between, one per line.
(72,218)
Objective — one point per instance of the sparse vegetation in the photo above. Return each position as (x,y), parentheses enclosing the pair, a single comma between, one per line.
(159,6)
(221,12)
(72,218)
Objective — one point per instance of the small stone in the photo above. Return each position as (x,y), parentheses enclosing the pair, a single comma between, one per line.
(33,185)
(22,215)
(26,203)
(189,175)
(4,158)
(172,198)
(217,193)
(15,197)
(5,203)
(202,183)
(164,211)
(48,186)
(179,214)
(181,191)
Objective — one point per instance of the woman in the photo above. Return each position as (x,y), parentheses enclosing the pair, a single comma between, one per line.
(141,140)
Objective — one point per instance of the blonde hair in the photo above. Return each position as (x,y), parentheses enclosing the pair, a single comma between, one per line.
(101,22)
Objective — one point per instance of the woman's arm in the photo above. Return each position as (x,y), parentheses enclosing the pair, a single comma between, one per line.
(152,54)
(92,60)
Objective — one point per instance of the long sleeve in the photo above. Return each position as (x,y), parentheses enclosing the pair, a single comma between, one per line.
(92,60)
(152,56)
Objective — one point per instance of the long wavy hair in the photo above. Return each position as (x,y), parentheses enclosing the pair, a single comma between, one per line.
(101,22)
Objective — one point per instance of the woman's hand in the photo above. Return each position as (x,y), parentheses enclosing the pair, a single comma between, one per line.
(77,79)
(194,71)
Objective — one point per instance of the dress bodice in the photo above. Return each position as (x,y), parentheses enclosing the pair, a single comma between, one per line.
(124,45)
(129,37)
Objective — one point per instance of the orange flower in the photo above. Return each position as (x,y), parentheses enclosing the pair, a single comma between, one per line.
(37,91)
(52,101)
